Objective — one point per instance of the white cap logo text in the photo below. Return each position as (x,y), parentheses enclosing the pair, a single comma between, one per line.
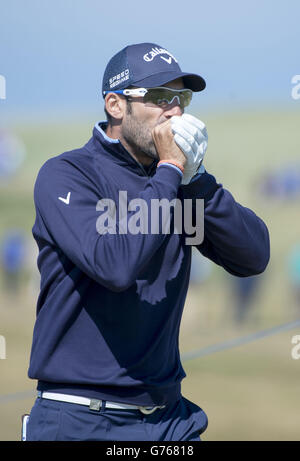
(148,57)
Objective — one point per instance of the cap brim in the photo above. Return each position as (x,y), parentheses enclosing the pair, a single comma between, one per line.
(192,81)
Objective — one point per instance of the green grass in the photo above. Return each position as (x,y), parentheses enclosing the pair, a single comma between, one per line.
(250,392)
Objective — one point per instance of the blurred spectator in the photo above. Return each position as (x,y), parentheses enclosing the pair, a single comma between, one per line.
(245,291)
(294,272)
(12,153)
(284,183)
(33,285)
(13,259)
(201,267)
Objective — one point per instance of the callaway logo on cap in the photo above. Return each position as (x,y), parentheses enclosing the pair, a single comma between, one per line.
(146,65)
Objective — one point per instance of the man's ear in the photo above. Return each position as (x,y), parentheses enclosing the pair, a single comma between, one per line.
(115,105)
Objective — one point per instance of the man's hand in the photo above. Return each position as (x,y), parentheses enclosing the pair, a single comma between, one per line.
(166,147)
(191,136)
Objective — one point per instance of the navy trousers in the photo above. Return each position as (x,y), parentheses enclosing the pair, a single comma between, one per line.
(51,420)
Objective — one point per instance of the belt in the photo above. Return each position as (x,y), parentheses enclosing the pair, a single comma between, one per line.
(95,404)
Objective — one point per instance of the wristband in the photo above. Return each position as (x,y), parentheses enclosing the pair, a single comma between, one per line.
(172,162)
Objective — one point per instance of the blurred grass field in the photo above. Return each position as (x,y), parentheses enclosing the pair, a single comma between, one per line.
(250,392)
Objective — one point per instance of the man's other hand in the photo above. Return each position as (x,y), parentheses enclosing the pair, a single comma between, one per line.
(190,135)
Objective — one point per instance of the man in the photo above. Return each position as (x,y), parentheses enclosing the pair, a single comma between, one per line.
(105,344)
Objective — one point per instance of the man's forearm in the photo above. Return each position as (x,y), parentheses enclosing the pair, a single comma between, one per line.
(234,236)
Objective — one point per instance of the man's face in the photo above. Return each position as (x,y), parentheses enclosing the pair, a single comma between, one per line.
(141,118)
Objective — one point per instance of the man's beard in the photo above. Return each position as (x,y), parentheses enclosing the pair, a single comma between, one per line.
(138,135)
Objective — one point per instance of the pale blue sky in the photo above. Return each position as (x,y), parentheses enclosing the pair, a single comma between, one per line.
(53,52)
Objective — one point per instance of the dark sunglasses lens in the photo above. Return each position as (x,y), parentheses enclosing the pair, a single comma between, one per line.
(163,97)
(187,97)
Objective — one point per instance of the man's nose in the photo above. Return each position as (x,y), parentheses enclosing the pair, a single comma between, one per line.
(173,109)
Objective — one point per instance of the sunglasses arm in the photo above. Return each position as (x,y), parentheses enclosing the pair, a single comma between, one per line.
(135,92)
(129,92)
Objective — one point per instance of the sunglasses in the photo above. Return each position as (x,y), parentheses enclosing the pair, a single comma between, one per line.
(160,96)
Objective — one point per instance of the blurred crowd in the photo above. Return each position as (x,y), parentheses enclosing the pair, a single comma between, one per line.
(18,257)
(283,183)
(17,250)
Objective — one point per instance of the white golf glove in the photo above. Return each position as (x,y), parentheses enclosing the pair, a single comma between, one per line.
(190,135)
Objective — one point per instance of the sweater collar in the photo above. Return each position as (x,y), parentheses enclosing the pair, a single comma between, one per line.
(120,154)
(99,133)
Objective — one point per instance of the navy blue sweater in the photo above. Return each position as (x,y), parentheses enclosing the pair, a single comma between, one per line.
(109,308)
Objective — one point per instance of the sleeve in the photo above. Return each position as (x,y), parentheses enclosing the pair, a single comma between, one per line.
(67,210)
(234,236)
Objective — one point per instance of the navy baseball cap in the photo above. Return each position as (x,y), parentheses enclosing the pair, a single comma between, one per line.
(146,65)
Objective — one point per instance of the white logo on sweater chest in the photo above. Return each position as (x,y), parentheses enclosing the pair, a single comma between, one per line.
(65,200)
